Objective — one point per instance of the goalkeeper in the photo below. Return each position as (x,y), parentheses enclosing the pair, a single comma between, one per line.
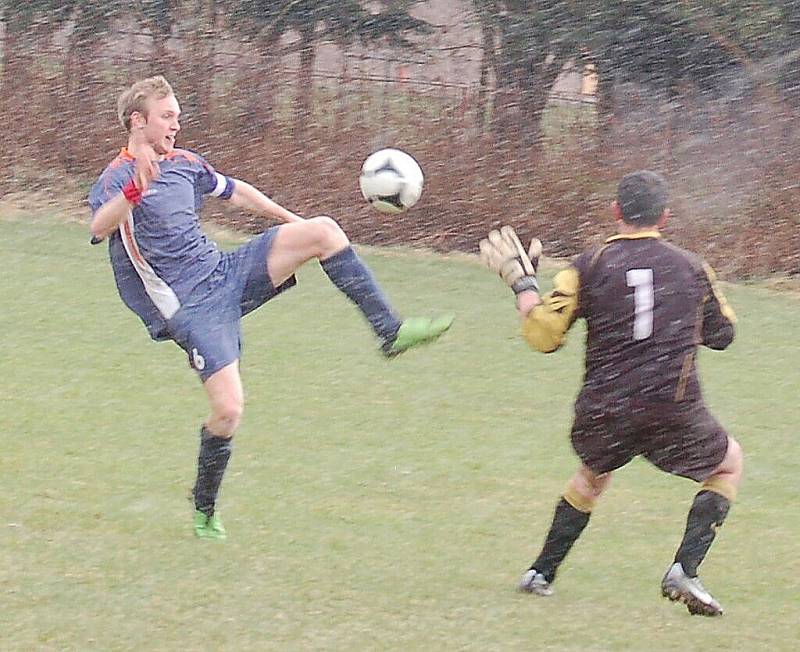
(647,305)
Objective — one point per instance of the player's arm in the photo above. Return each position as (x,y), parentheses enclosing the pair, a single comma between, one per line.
(251,199)
(718,316)
(107,218)
(546,319)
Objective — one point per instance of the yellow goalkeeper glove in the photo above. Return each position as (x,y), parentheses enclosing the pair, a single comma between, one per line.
(503,253)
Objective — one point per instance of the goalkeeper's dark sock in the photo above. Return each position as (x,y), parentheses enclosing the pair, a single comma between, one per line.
(568,523)
(211,464)
(349,273)
(708,512)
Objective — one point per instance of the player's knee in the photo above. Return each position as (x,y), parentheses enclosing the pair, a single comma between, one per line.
(328,234)
(228,414)
(589,484)
(597,483)
(734,457)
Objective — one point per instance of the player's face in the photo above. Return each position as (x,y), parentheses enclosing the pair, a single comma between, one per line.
(161,126)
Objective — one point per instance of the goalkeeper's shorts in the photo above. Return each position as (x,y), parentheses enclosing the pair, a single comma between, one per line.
(680,438)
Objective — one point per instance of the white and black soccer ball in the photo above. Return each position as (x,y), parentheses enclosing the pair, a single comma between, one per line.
(391,180)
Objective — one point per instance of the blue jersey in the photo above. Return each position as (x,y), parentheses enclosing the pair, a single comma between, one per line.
(159,254)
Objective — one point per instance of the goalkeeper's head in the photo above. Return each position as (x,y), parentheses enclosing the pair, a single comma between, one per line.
(642,198)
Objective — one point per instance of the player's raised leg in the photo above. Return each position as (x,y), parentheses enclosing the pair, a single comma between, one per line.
(571,517)
(226,398)
(707,514)
(322,238)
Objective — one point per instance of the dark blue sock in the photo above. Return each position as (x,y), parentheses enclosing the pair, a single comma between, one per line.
(211,463)
(349,273)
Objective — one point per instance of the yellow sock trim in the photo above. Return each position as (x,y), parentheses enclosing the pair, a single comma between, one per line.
(579,501)
(721,487)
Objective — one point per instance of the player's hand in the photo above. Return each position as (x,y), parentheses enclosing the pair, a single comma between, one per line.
(146,170)
(503,253)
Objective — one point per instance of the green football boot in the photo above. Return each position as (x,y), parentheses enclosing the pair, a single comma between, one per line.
(215,527)
(208,527)
(415,331)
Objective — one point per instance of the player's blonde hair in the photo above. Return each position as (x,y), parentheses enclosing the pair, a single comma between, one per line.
(134,98)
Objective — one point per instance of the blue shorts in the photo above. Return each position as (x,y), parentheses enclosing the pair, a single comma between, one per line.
(208,325)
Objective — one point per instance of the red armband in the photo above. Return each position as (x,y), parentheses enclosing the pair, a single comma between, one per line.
(132,193)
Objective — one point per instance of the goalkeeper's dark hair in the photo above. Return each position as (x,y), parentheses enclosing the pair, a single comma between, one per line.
(642,197)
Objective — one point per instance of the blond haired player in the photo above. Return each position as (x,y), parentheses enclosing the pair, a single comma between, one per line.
(147,203)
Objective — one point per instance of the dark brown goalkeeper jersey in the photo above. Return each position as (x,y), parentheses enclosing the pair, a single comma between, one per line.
(648,305)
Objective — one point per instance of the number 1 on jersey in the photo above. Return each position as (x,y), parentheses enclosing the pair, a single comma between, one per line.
(641,280)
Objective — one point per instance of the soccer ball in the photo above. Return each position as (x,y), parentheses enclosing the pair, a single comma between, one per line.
(391,180)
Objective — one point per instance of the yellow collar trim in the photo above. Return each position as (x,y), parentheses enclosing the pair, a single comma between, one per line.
(634,236)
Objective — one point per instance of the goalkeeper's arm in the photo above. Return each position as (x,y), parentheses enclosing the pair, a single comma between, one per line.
(527,301)
(503,253)
(546,319)
(718,317)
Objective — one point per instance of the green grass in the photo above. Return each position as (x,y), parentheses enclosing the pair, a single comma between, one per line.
(370,505)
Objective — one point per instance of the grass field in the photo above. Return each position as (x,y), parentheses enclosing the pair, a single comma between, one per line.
(371,505)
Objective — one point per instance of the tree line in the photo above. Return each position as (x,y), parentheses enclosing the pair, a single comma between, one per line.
(665,45)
